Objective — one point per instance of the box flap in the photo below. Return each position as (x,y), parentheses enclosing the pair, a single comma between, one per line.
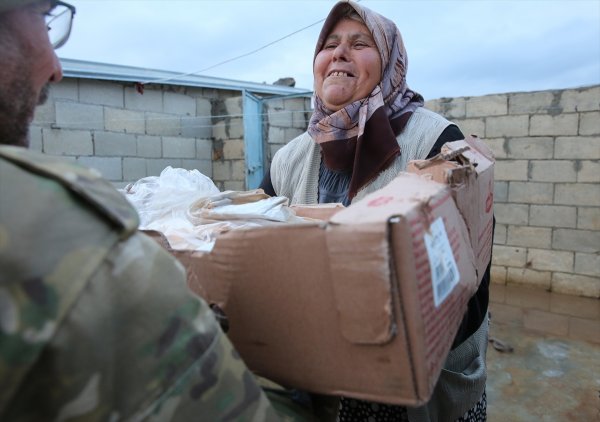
(397,198)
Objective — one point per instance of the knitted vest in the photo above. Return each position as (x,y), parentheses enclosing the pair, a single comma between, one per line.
(295,167)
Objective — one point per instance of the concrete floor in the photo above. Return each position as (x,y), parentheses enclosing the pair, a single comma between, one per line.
(545,378)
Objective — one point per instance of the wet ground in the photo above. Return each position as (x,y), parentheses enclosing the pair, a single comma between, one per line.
(545,378)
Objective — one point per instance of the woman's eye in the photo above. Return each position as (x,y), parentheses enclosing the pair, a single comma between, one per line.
(329,46)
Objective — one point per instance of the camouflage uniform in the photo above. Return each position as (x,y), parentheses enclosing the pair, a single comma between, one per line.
(95,319)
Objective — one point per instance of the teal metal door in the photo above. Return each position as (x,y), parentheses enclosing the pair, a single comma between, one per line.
(253,140)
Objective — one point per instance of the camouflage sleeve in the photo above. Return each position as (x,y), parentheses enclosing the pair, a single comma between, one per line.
(136,346)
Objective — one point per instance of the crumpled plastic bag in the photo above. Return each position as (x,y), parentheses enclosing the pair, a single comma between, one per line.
(169,195)
(191,212)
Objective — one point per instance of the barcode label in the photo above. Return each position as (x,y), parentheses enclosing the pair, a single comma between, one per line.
(444,272)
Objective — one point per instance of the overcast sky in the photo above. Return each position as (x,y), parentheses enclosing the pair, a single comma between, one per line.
(455,48)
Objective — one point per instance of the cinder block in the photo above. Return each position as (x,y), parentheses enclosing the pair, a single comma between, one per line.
(589,123)
(530,148)
(588,218)
(203,166)
(234,107)
(238,170)
(517,214)
(498,147)
(553,216)
(529,278)
(134,169)
(497,278)
(181,104)
(561,124)
(300,119)
(295,104)
(536,237)
(500,234)
(450,108)
(509,256)
(120,120)
(235,129)
(583,148)
(110,167)
(177,147)
(506,126)
(552,171)
(576,240)
(101,92)
(488,105)
(577,285)
(588,171)
(511,170)
(583,99)
(273,148)
(471,127)
(276,135)
(204,149)
(219,130)
(115,144)
(531,102)
(545,322)
(500,191)
(71,115)
(233,149)
(222,170)
(584,329)
(163,124)
(35,139)
(549,260)
(203,107)
(530,192)
(586,194)
(280,117)
(196,127)
(292,133)
(66,89)
(155,166)
(45,114)
(149,146)
(67,142)
(587,263)
(150,100)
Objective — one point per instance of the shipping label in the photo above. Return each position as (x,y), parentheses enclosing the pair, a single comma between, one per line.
(444,272)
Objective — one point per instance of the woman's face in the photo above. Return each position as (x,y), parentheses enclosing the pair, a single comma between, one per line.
(348,67)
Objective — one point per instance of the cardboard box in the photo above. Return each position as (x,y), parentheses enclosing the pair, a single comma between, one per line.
(467,166)
(351,306)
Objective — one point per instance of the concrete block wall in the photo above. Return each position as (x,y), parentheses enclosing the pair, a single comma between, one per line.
(547,146)
(229,162)
(126,135)
(547,189)
(285,119)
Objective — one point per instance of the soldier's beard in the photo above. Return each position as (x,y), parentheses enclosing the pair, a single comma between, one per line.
(17,105)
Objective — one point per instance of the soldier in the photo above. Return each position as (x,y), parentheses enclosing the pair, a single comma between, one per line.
(95,318)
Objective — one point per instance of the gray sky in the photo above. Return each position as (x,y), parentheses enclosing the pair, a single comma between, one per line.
(455,48)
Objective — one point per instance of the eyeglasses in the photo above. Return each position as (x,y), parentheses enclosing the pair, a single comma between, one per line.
(59,22)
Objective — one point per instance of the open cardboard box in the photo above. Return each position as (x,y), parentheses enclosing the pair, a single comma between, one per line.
(350,306)
(467,166)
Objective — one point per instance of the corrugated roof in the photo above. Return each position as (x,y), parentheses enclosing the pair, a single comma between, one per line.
(113,72)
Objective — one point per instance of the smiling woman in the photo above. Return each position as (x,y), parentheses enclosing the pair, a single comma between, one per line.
(366,126)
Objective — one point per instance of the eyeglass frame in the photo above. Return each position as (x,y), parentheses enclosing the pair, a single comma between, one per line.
(72,11)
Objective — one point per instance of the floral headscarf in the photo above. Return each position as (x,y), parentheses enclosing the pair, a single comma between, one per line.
(362,135)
